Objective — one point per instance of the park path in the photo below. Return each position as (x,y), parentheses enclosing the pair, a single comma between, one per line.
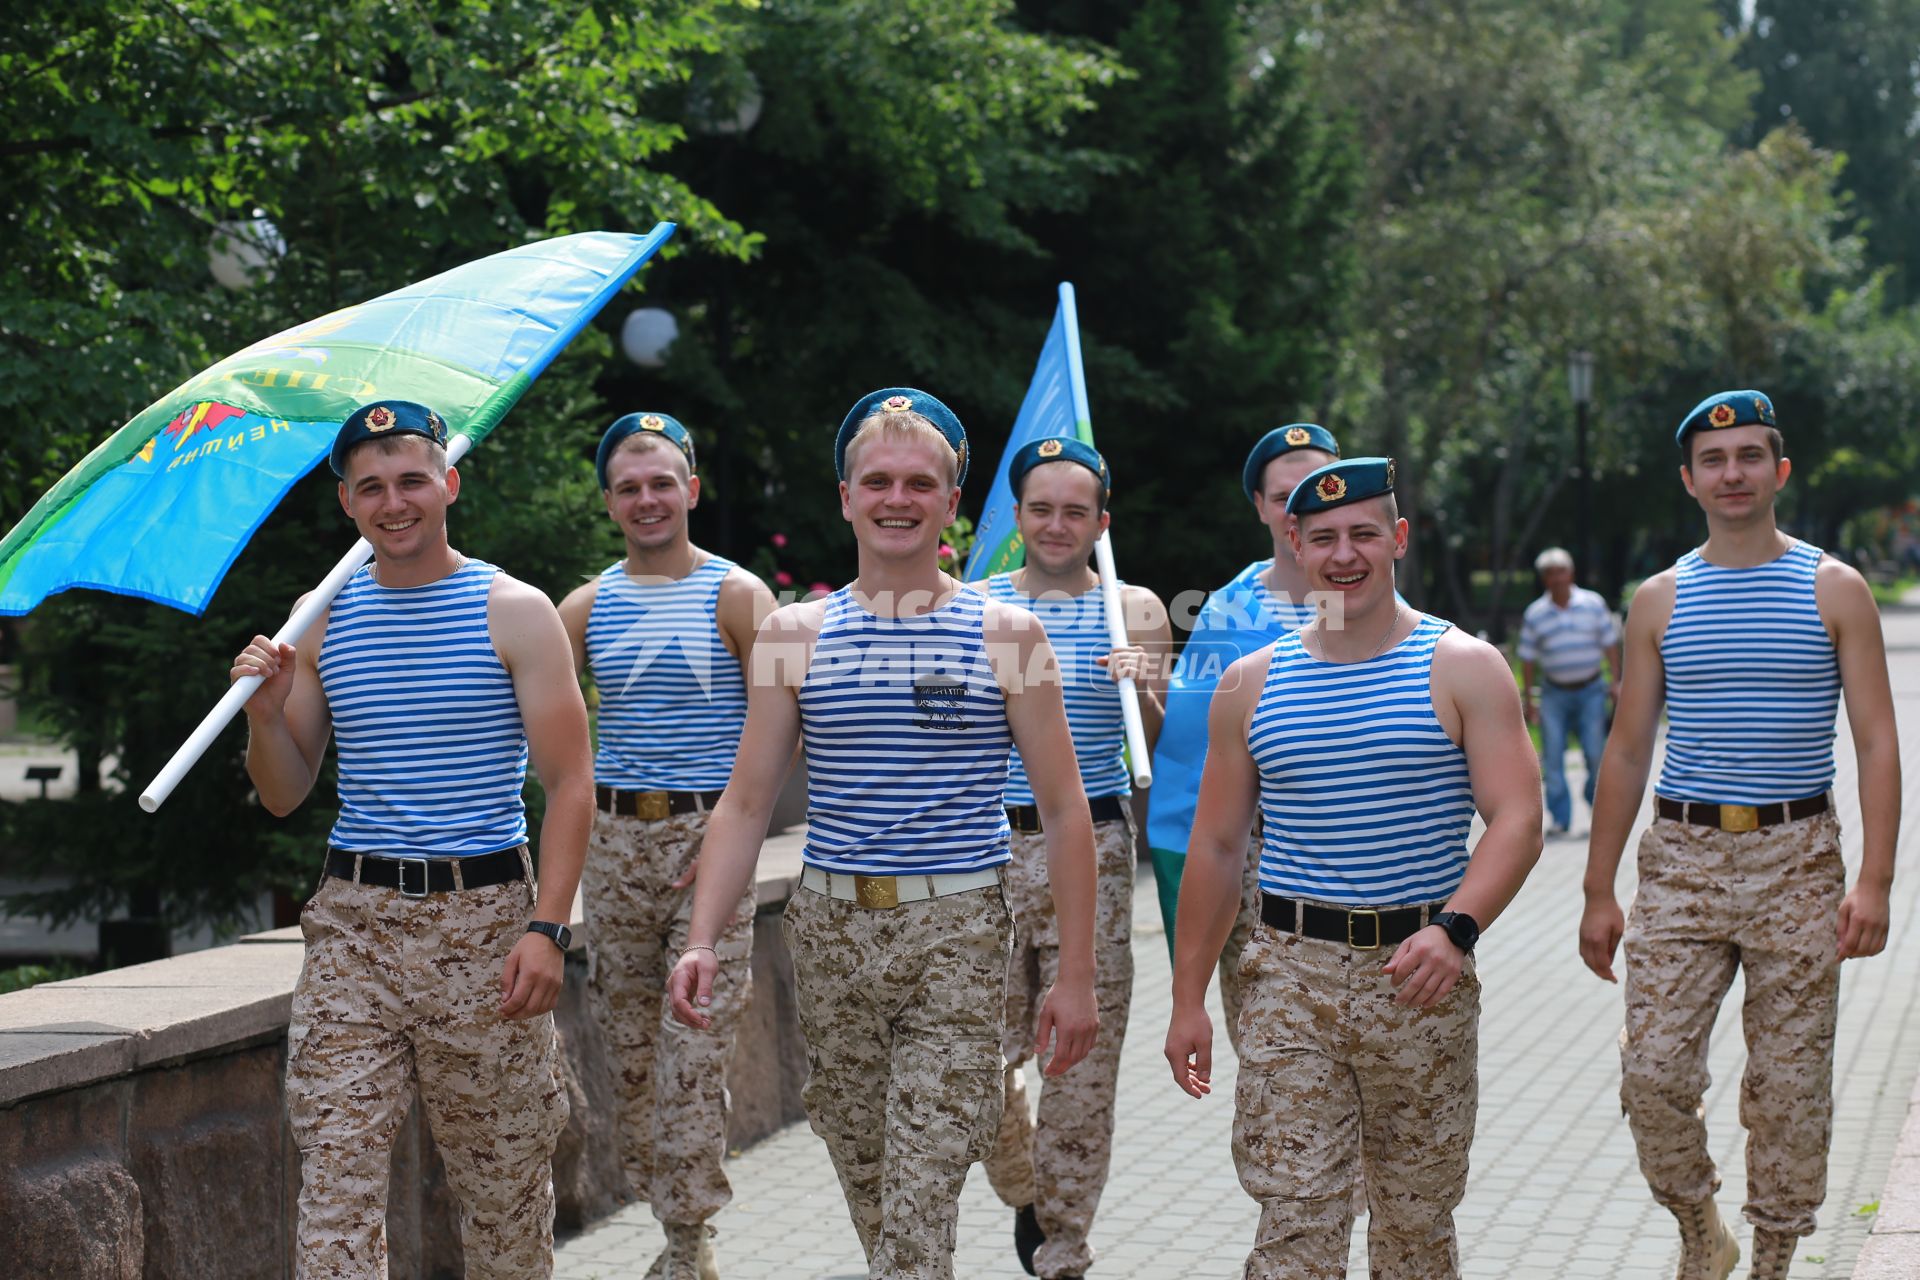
(1555,1191)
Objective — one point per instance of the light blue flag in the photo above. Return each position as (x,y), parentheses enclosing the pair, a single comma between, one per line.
(1053,407)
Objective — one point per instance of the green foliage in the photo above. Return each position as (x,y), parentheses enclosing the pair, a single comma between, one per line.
(1848,73)
(386,144)
(22,976)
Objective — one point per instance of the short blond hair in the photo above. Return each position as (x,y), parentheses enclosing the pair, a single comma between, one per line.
(907,426)
(650,442)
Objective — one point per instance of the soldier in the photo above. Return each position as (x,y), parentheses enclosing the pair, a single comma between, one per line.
(1052,1170)
(1264,601)
(667,632)
(432,967)
(1367,749)
(1749,642)
(908,692)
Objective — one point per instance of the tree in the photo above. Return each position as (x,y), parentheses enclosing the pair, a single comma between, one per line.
(1847,72)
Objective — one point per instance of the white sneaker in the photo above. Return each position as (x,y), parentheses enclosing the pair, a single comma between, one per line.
(1555,831)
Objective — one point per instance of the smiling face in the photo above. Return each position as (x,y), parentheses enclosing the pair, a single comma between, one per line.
(649,493)
(1059,516)
(1735,473)
(1351,550)
(1277,482)
(397,492)
(899,495)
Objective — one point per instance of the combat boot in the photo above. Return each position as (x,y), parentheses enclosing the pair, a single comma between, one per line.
(688,1255)
(1772,1251)
(1708,1250)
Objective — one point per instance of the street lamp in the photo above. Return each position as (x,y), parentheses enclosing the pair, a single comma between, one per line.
(1580,388)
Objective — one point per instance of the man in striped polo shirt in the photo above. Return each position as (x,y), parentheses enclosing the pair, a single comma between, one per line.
(1366,749)
(907,691)
(1567,633)
(666,633)
(1051,1170)
(1264,601)
(1749,641)
(432,967)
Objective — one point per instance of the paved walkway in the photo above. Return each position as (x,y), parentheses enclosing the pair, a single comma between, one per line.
(1555,1190)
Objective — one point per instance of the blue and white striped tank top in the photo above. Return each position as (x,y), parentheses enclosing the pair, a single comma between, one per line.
(1278,615)
(907,742)
(1077,628)
(672,699)
(1364,798)
(432,750)
(1753,683)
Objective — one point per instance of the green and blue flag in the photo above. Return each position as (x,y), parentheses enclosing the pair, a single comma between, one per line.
(163,506)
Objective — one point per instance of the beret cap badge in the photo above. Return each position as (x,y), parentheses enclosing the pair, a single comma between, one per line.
(1298,436)
(379,418)
(1722,415)
(896,404)
(1050,448)
(653,422)
(1762,407)
(1331,488)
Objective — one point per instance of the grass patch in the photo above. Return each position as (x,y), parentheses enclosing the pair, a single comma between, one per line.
(1887,593)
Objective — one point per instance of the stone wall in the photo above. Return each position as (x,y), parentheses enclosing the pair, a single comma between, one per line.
(143,1132)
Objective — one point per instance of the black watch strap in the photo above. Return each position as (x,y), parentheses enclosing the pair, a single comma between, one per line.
(561,935)
(1462,928)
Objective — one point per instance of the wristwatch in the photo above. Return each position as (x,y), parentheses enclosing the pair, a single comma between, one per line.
(1462,928)
(563,937)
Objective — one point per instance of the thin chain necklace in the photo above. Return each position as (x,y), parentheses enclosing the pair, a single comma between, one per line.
(1393,624)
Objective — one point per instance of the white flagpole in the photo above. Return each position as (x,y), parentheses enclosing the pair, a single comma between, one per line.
(237,694)
(1103,560)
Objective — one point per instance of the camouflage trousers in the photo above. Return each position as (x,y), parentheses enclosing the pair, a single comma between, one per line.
(1766,902)
(1058,1163)
(671,1079)
(903,1013)
(400,997)
(1337,1081)
(1244,923)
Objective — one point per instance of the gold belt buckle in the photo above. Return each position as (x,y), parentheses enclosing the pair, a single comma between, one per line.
(651,805)
(876,893)
(1364,946)
(1739,817)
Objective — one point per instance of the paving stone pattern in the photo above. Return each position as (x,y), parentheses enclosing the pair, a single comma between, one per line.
(1555,1191)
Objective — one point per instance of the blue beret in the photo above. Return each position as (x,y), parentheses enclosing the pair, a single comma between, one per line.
(1339,483)
(1728,409)
(1281,440)
(901,400)
(1055,449)
(384,418)
(633,423)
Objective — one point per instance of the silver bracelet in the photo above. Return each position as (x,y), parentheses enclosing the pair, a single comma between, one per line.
(716,954)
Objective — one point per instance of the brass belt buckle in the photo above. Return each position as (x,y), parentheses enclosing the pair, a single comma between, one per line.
(1739,817)
(876,893)
(1364,946)
(651,805)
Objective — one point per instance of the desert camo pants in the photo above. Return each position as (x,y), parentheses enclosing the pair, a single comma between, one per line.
(1766,902)
(400,997)
(671,1079)
(1336,1082)
(1058,1162)
(1244,922)
(903,1011)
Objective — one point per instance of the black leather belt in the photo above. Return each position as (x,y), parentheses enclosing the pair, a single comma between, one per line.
(653,805)
(418,877)
(1361,928)
(1025,818)
(1739,817)
(1572,686)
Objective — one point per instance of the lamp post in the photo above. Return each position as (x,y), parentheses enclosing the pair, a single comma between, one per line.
(1580,389)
